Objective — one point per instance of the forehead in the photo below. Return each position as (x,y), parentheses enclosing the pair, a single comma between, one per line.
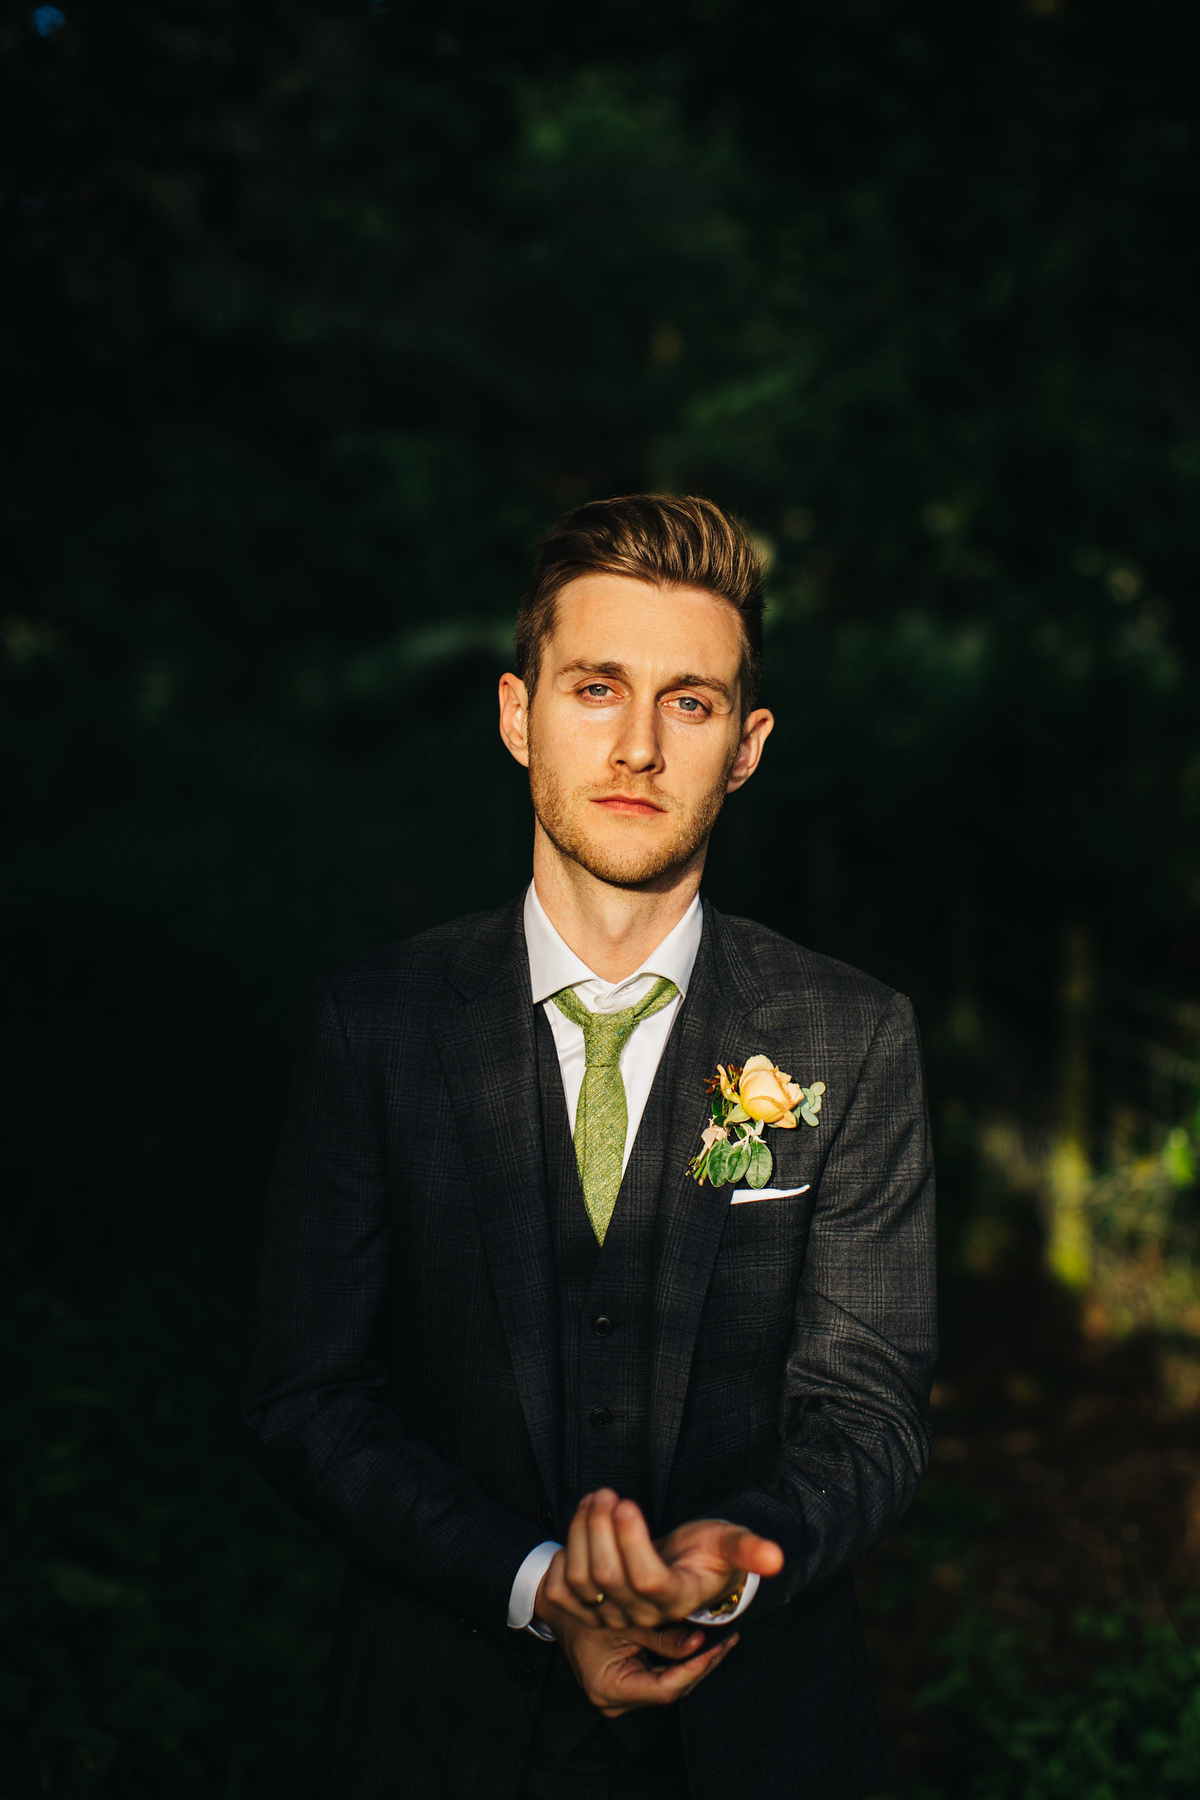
(611,618)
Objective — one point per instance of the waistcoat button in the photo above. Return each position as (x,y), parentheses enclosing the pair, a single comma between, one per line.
(602,1326)
(600,1415)
(545,1517)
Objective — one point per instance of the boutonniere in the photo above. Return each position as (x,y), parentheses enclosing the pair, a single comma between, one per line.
(743,1102)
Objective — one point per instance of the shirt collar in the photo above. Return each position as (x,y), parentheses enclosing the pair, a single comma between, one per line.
(553,965)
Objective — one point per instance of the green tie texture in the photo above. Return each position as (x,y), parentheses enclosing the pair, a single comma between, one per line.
(602,1117)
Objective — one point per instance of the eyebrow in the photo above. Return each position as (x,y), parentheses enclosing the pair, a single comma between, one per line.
(618,672)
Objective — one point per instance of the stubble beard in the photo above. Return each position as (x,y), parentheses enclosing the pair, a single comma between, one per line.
(562,814)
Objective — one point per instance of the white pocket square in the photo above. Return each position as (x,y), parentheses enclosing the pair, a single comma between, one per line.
(741,1195)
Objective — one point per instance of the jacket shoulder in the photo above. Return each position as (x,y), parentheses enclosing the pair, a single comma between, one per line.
(418,967)
(790,972)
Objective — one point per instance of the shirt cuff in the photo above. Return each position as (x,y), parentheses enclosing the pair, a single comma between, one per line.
(705,1617)
(524,1591)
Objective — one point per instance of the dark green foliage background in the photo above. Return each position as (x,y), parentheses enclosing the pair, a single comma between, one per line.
(313,316)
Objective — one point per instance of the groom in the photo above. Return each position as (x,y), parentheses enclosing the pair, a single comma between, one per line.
(601,1442)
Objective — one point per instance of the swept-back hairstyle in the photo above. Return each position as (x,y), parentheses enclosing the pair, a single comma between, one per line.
(669,540)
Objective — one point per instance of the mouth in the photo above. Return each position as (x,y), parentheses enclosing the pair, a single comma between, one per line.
(628,807)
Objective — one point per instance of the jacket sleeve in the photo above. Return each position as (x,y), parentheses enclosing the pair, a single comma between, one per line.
(854,1405)
(318,1412)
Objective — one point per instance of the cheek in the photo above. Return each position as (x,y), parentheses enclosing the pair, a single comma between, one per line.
(581,750)
(566,760)
(700,760)
(556,744)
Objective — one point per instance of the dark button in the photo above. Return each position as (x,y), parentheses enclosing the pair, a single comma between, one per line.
(545,1518)
(602,1326)
(524,1676)
(600,1416)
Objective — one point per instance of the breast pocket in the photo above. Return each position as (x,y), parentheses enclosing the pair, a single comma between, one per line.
(752,1294)
(744,1196)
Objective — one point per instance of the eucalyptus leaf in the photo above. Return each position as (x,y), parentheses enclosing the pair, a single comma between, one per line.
(718,1163)
(761,1162)
(739,1162)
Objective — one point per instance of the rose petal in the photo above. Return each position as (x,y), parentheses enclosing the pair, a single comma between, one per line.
(761,1095)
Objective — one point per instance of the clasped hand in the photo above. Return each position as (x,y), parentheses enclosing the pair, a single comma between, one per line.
(648,1588)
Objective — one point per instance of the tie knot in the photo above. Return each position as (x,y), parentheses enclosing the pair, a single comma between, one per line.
(606,1034)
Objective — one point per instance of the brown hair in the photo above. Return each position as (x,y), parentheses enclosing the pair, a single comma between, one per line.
(669,540)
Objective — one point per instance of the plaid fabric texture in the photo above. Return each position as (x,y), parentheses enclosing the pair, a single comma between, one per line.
(403,1389)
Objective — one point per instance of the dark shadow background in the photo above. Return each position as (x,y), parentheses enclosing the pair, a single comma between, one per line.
(313,315)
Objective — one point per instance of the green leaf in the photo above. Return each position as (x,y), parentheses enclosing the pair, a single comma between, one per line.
(739,1161)
(718,1163)
(761,1163)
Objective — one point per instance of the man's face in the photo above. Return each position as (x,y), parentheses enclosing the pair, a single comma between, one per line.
(635,734)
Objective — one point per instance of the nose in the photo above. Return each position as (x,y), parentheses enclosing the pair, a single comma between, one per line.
(638,748)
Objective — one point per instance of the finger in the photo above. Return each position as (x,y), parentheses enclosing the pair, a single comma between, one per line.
(637,1685)
(578,1568)
(677,1642)
(645,1570)
(745,1550)
(682,1677)
(556,1590)
(606,1564)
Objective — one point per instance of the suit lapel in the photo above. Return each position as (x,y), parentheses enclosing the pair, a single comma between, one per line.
(487,1050)
(691,1219)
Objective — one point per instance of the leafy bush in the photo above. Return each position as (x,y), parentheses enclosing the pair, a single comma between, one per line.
(1128,1729)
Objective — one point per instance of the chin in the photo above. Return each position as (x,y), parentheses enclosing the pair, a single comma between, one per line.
(627,865)
(623,851)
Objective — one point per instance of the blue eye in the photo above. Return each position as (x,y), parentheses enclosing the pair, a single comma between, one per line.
(599,688)
(689,704)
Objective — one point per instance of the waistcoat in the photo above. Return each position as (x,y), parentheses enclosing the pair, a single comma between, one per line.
(604,1336)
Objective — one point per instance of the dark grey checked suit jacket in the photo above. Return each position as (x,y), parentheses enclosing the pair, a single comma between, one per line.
(403,1382)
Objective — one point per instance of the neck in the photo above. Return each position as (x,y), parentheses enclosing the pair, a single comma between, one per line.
(613,929)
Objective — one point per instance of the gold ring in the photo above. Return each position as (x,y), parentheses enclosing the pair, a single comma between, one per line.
(599,1600)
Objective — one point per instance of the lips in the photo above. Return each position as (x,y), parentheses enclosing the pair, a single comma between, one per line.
(629,806)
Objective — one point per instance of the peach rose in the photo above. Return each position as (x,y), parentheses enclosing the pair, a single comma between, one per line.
(768,1094)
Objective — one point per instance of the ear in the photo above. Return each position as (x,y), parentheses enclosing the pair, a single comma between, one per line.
(756,730)
(514,717)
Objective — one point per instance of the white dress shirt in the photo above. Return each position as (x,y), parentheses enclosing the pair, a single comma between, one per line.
(553,965)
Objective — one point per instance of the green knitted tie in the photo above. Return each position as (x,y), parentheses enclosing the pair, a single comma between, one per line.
(602,1117)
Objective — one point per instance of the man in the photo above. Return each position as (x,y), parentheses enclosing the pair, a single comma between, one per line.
(600,1440)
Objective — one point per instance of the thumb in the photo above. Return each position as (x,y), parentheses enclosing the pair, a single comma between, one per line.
(674,1641)
(744,1549)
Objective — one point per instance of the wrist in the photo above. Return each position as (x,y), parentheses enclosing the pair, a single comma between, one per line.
(730,1599)
(544,1608)
(734,1604)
